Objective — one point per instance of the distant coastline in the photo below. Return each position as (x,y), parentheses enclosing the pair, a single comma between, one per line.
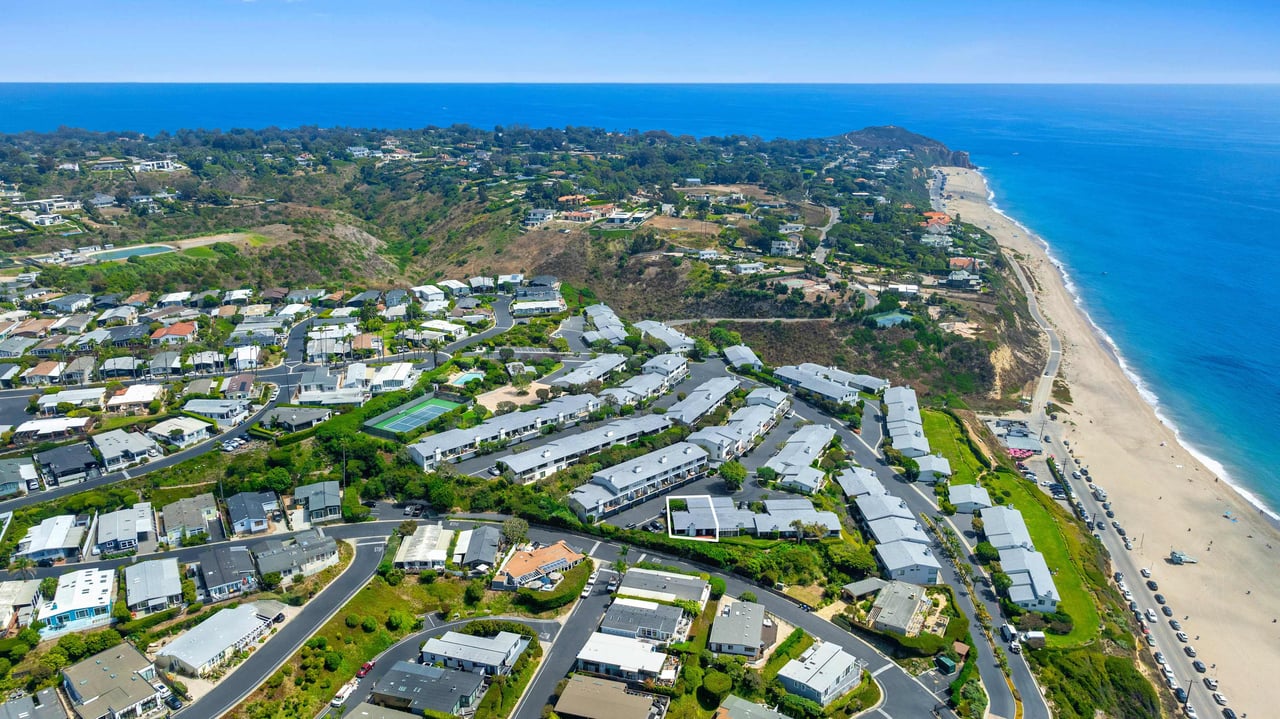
(1117,354)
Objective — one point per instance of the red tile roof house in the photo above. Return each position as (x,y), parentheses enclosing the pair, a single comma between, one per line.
(177,333)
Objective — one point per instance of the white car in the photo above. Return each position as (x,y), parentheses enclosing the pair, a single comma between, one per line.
(1146,572)
(1190,711)
(1222,700)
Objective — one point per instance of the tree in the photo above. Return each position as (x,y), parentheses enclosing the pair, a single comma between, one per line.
(543,394)
(506,407)
(23,567)
(48,586)
(120,612)
(474,592)
(1001,581)
(369,625)
(747,596)
(514,530)
(188,591)
(986,553)
(733,474)
(766,474)
(271,581)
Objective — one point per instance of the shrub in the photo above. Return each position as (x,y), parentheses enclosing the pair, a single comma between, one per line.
(716,686)
(567,591)
(369,625)
(332,660)
(717,587)
(352,621)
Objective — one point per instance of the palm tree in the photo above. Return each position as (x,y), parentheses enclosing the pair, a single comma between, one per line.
(23,566)
(436,345)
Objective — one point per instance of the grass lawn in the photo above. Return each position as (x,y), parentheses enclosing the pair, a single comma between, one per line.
(946,438)
(790,648)
(303,686)
(867,694)
(204,252)
(117,421)
(1065,550)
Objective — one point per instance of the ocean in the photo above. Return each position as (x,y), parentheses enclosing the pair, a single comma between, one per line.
(1161,202)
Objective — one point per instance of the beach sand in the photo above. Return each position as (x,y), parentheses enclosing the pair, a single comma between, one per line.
(1161,493)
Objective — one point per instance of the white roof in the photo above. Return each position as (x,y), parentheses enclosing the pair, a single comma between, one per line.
(176,297)
(72,396)
(904,555)
(820,667)
(136,393)
(398,371)
(428,543)
(970,494)
(628,654)
(154,579)
(83,589)
(188,425)
(53,425)
(53,533)
(117,442)
(200,644)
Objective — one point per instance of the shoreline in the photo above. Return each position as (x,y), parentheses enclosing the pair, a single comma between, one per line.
(1142,386)
(1165,492)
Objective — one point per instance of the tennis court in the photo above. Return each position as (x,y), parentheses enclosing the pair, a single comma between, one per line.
(417,415)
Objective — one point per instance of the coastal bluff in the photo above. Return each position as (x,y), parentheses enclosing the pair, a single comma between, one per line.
(892,137)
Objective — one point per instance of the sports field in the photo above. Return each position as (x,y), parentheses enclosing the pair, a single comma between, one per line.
(414,416)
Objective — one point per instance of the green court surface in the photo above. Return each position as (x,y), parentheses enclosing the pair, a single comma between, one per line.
(416,415)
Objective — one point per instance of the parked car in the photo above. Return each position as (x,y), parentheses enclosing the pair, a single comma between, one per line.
(1168,611)
(364,670)
(173,702)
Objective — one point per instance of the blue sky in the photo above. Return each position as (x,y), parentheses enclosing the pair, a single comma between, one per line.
(604,41)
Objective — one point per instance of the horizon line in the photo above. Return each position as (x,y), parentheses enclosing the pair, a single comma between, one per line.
(1077,83)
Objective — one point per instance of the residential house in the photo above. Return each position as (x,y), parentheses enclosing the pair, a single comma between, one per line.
(1033,588)
(43,704)
(664,586)
(189,517)
(120,448)
(208,361)
(702,400)
(742,357)
(67,464)
(596,368)
(674,340)
(970,498)
(180,431)
(18,475)
(122,529)
(295,419)
(153,586)
(69,400)
(238,387)
(418,688)
(117,367)
(117,683)
(225,412)
(135,398)
(322,501)
(427,549)
(69,304)
(909,562)
(494,656)
(82,601)
(823,673)
(55,538)
(899,607)
(587,697)
(165,364)
(554,456)
(226,572)
(177,333)
(478,548)
(249,512)
(19,601)
(643,619)
(45,373)
(625,658)
(301,555)
(616,488)
(533,567)
(43,430)
(213,642)
(739,629)
(79,370)
(733,707)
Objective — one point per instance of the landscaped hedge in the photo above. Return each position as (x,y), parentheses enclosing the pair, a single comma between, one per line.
(142,624)
(568,590)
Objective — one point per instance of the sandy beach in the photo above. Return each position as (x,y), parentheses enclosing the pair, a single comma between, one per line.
(1161,493)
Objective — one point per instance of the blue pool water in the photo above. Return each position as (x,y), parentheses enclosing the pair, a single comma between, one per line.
(126,252)
(465,378)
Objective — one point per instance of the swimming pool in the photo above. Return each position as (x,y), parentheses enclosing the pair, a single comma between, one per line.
(126,252)
(466,377)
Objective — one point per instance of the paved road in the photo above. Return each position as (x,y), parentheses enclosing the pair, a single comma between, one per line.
(833,217)
(267,658)
(408,650)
